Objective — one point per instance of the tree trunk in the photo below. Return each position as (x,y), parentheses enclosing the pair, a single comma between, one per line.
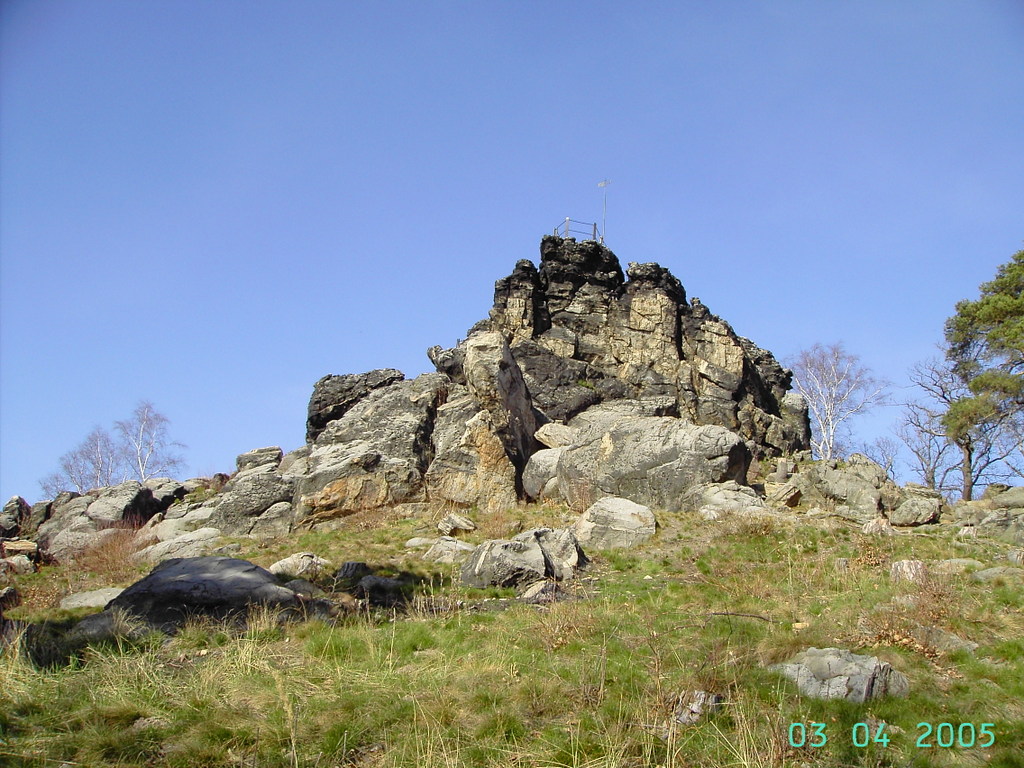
(967,470)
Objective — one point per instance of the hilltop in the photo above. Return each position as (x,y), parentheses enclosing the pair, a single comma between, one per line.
(594,536)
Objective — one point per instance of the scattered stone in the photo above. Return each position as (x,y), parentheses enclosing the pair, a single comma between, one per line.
(540,592)
(349,574)
(305,588)
(1016,556)
(920,506)
(614,523)
(555,435)
(786,495)
(531,556)
(418,542)
(832,673)
(941,640)
(908,570)
(97,598)
(999,572)
(955,567)
(12,547)
(305,565)
(452,523)
(448,550)
(880,526)
(19,565)
(691,706)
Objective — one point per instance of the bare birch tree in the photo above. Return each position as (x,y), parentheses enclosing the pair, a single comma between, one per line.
(96,462)
(837,388)
(143,450)
(147,448)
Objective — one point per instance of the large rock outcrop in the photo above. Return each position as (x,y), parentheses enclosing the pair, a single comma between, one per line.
(582,333)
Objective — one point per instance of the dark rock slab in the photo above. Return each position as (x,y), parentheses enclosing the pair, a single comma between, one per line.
(218,587)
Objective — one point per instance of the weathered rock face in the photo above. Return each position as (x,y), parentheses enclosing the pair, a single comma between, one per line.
(333,396)
(652,460)
(14,513)
(582,333)
(376,454)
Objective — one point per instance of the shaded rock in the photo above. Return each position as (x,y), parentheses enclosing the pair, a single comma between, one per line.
(218,587)
(349,574)
(614,523)
(496,384)
(334,396)
(832,673)
(381,590)
(9,598)
(304,565)
(14,513)
(540,478)
(304,588)
(540,592)
(97,598)
(1016,556)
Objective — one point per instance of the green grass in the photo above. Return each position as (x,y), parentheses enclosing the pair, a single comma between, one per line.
(588,682)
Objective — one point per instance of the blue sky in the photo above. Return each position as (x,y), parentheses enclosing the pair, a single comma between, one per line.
(212,205)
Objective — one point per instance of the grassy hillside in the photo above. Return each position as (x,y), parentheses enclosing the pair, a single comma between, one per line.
(474,678)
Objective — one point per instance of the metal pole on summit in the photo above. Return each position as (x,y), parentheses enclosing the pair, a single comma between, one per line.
(604,214)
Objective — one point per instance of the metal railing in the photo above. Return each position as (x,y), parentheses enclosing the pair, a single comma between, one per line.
(570,227)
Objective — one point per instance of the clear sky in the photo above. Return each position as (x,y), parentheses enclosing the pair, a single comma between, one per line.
(211,205)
